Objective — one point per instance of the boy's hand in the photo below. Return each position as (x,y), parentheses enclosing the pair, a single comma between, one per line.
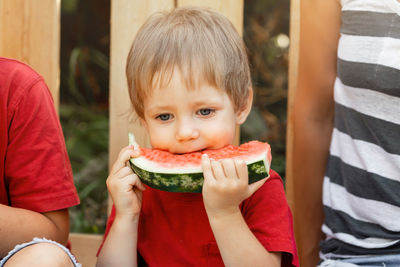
(124,185)
(226,185)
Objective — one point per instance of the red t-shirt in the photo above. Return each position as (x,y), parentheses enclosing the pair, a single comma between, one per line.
(35,172)
(174,229)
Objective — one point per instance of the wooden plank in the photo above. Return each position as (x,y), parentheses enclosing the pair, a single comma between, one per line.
(293,74)
(84,247)
(233,10)
(30,32)
(126,18)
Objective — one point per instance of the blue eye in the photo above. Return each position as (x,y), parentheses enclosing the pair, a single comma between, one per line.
(164,117)
(205,111)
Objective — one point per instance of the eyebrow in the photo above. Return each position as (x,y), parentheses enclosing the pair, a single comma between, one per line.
(156,108)
(207,102)
(203,101)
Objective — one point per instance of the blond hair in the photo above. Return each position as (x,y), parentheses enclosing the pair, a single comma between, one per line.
(201,43)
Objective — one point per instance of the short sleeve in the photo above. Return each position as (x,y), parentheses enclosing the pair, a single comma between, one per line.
(37,168)
(269,217)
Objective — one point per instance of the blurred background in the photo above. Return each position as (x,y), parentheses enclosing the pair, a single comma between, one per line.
(85,45)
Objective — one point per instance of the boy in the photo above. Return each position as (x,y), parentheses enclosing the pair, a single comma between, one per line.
(189,83)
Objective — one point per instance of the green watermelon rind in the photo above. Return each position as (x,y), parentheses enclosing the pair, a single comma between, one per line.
(191,182)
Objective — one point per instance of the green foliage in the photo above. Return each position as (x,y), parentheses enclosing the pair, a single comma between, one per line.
(86,135)
(69,6)
(80,71)
(84,106)
(266,30)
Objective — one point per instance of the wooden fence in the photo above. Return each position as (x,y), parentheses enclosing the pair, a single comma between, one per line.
(30,32)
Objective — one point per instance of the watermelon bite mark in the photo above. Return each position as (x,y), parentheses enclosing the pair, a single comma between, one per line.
(183,173)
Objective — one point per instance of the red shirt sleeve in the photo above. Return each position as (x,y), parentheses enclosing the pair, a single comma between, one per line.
(37,168)
(269,218)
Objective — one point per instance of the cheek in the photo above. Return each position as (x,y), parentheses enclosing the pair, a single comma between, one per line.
(220,134)
(161,137)
(157,139)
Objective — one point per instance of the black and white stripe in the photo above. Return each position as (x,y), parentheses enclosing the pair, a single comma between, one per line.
(366,185)
(361,193)
(367,128)
(355,23)
(375,77)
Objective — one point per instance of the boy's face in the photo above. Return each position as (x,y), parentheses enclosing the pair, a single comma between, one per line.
(182,121)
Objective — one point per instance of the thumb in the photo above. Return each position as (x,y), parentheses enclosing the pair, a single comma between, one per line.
(255,186)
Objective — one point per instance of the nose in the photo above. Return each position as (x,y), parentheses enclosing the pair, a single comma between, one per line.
(186,130)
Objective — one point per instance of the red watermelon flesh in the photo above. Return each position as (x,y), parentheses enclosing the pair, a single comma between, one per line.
(245,152)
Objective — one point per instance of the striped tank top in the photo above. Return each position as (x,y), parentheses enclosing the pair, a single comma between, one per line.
(361,189)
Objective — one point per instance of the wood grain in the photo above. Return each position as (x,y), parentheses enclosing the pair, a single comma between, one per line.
(30,32)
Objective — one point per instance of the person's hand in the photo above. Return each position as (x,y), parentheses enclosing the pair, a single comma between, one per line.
(226,185)
(124,185)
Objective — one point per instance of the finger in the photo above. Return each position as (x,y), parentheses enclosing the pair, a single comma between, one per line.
(138,194)
(139,184)
(125,171)
(125,154)
(124,149)
(229,168)
(206,165)
(134,181)
(136,152)
(217,169)
(241,169)
(255,186)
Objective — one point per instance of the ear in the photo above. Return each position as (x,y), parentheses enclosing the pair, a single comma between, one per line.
(241,115)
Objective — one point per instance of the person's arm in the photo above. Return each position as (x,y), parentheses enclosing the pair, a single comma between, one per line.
(237,244)
(37,171)
(119,248)
(21,225)
(313,119)
(225,187)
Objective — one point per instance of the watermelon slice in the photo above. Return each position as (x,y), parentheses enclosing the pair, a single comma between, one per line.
(165,171)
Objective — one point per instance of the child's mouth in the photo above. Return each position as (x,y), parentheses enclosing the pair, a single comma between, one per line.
(190,151)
